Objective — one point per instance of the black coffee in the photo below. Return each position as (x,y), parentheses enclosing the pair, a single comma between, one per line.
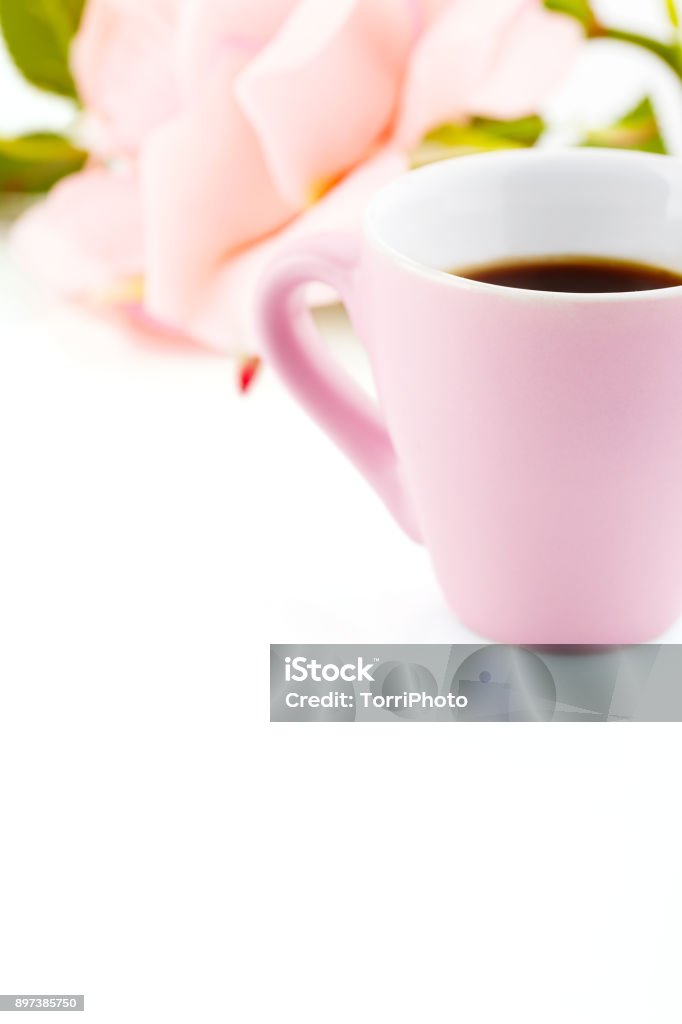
(574,274)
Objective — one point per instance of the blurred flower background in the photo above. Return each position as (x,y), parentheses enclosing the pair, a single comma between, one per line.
(207,133)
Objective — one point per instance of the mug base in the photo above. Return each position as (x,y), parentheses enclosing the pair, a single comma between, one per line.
(586,636)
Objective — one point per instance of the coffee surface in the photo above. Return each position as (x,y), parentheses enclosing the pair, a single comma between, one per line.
(587,275)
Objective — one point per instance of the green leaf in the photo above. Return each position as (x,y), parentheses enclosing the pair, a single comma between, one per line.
(38,34)
(34,163)
(673,13)
(579,9)
(479,135)
(526,130)
(638,129)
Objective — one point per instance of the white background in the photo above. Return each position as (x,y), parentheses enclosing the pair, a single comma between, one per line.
(166,851)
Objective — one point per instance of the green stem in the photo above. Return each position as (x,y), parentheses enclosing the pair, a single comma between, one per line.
(670,53)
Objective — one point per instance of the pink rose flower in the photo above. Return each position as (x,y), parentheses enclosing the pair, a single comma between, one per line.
(221,129)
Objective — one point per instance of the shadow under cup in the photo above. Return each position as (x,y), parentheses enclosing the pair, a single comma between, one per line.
(532,440)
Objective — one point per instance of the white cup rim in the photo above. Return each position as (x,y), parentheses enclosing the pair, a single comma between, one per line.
(438,173)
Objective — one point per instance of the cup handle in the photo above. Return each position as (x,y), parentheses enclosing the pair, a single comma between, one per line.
(292,345)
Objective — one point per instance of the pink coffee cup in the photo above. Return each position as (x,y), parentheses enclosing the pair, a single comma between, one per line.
(532,440)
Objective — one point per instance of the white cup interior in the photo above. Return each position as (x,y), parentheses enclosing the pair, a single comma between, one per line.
(475,210)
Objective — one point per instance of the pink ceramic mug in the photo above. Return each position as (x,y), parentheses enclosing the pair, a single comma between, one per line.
(532,440)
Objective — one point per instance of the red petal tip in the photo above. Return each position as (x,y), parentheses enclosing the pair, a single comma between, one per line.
(247,372)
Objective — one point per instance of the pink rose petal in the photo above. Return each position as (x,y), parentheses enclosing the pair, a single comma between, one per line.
(232,117)
(534,55)
(224,317)
(496,57)
(209,31)
(86,235)
(325,89)
(123,62)
(206,193)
